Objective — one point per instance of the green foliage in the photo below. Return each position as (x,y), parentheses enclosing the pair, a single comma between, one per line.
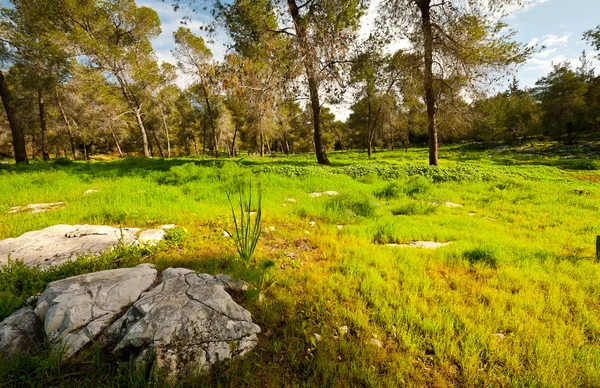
(482,255)
(352,204)
(247,232)
(583,164)
(188,172)
(391,191)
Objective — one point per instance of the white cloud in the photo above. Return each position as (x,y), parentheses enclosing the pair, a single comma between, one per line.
(553,40)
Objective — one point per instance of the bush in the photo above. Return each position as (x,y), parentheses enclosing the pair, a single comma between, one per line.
(385,234)
(185,173)
(392,191)
(583,164)
(414,208)
(484,255)
(63,161)
(348,205)
(417,187)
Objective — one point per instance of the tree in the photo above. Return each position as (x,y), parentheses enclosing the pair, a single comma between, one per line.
(456,40)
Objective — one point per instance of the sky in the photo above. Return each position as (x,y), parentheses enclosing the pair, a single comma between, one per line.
(556,26)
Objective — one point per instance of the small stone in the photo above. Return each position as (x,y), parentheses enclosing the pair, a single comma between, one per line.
(375,342)
(290,200)
(343,330)
(226,234)
(312,223)
(317,337)
(315,195)
(91,191)
(168,226)
(452,204)
(500,336)
(340,227)
(421,244)
(471,214)
(331,193)
(272,228)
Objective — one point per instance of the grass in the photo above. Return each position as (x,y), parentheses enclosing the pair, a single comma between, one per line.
(512,301)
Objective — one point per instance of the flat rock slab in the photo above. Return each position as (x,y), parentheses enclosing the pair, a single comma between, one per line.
(325,193)
(77,309)
(421,244)
(60,243)
(36,208)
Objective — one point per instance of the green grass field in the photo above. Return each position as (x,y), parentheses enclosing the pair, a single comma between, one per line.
(513,300)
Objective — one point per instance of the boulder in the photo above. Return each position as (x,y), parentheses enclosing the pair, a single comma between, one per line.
(77,309)
(180,326)
(184,325)
(60,243)
(20,333)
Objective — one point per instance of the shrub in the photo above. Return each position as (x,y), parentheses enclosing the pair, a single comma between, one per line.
(484,255)
(417,187)
(352,205)
(392,191)
(63,161)
(185,173)
(583,164)
(385,233)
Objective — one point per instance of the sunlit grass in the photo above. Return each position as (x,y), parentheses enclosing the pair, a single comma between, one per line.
(513,300)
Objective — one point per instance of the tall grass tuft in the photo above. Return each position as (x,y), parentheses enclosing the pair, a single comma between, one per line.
(247,232)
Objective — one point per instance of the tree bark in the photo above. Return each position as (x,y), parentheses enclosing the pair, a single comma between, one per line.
(42,111)
(16,126)
(312,75)
(166,130)
(67,124)
(114,135)
(430,99)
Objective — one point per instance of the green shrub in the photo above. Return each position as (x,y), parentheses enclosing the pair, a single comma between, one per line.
(484,255)
(349,205)
(583,164)
(63,161)
(391,191)
(414,208)
(417,187)
(185,173)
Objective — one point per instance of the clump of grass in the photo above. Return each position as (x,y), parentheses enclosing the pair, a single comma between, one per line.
(482,255)
(352,204)
(414,208)
(392,190)
(584,164)
(247,232)
(185,173)
(385,233)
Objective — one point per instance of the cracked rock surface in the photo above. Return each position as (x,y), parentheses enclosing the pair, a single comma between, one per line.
(60,243)
(19,333)
(185,324)
(77,309)
(179,322)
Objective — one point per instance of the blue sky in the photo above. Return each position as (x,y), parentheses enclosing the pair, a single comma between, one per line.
(556,24)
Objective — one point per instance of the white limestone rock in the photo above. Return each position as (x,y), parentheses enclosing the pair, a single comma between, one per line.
(19,333)
(76,310)
(184,325)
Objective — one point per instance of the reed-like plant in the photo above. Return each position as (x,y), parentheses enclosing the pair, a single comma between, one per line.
(247,231)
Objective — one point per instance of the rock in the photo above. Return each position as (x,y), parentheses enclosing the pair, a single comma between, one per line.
(185,324)
(232,284)
(421,244)
(226,234)
(340,227)
(91,191)
(290,200)
(312,223)
(168,226)
(77,309)
(471,214)
(452,204)
(20,333)
(500,336)
(36,208)
(343,330)
(151,237)
(60,243)
(271,228)
(375,342)
(327,193)
(317,337)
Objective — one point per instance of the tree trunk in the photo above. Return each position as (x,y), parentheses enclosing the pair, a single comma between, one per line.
(166,130)
(312,75)
(430,99)
(235,131)
(160,150)
(140,123)
(212,122)
(67,124)
(42,112)
(203,134)
(16,126)
(114,135)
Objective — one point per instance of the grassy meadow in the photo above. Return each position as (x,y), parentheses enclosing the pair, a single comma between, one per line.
(513,300)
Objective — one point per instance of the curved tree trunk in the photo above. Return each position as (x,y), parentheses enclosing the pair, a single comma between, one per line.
(16,126)
(67,124)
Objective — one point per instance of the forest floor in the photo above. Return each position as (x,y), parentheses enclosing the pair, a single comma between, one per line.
(513,300)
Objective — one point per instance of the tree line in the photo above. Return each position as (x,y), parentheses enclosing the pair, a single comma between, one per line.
(81,77)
